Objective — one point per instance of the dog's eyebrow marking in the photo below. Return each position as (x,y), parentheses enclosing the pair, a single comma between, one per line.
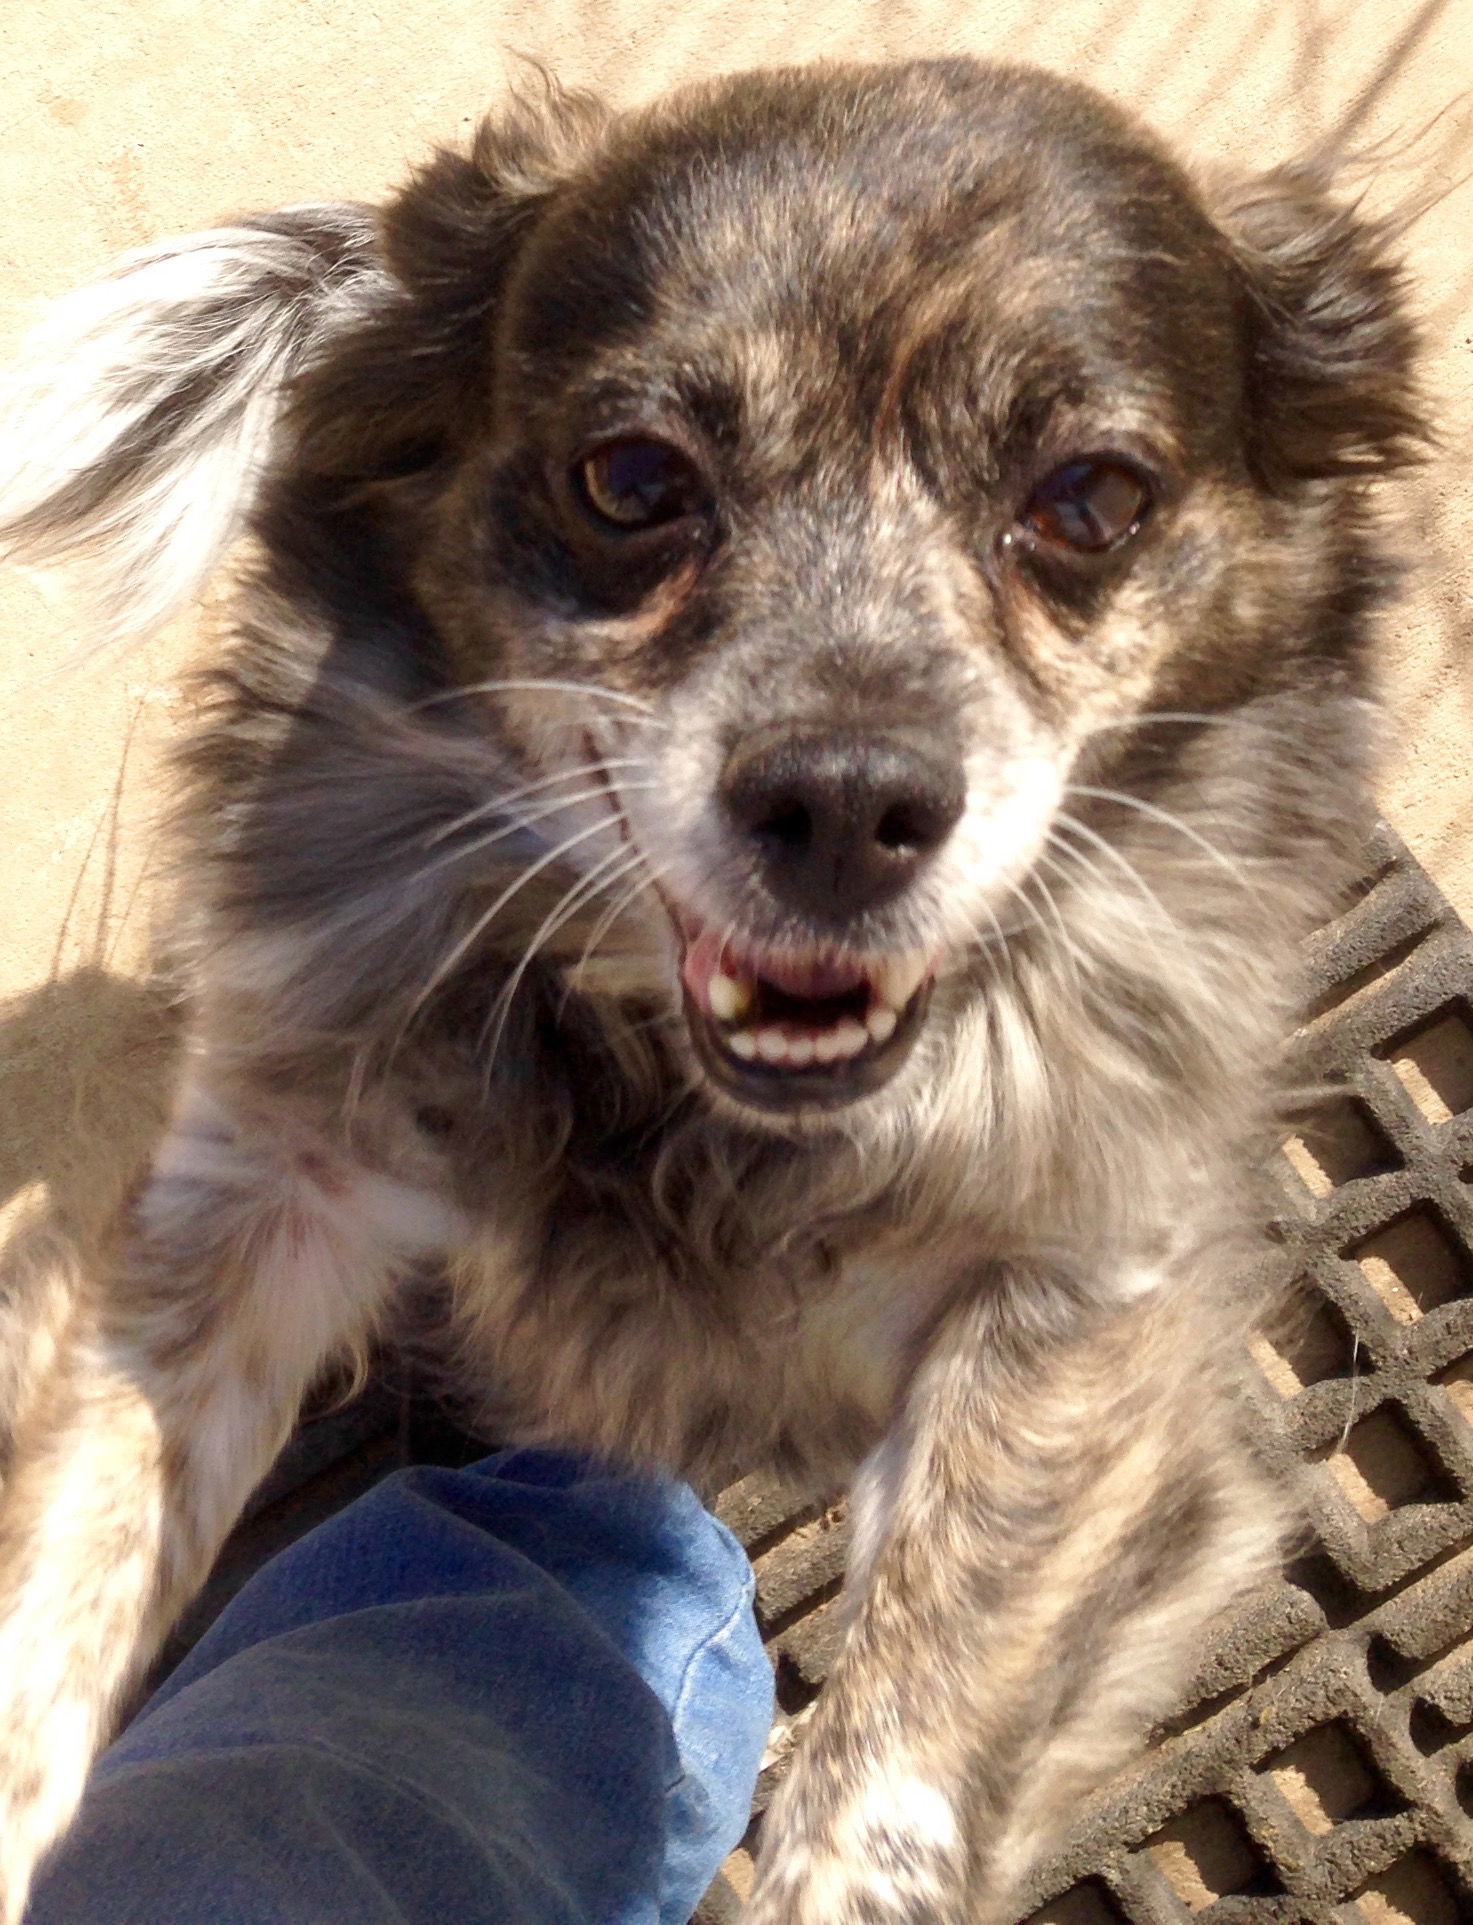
(947,301)
(732,386)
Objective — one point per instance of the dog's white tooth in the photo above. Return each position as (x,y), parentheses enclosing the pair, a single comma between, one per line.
(772,1046)
(800,1051)
(826,1047)
(885,978)
(899,977)
(880,1023)
(850,1036)
(729,997)
(743,1043)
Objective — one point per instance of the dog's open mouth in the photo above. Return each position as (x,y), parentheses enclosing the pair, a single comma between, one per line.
(783,1028)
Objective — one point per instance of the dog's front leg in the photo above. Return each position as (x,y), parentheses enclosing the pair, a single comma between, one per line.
(252,1254)
(1060,1507)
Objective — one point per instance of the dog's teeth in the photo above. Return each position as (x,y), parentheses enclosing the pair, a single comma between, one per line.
(880,1023)
(898,978)
(845,1039)
(837,1044)
(729,997)
(850,1036)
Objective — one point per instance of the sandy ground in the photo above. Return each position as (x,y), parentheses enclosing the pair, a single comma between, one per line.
(121,120)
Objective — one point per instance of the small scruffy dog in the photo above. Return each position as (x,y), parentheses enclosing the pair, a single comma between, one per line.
(802,671)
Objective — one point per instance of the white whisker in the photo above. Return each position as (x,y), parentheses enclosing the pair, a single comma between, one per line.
(1164,816)
(1032,919)
(608,825)
(466,851)
(1183,717)
(1065,821)
(999,937)
(549,685)
(1078,961)
(622,860)
(620,903)
(1132,874)
(519,794)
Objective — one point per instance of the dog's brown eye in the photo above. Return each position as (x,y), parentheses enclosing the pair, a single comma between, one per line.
(1087,506)
(640,484)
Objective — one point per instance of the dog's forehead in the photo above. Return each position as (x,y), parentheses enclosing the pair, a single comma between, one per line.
(785,236)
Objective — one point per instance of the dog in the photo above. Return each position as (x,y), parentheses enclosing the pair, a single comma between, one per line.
(802,662)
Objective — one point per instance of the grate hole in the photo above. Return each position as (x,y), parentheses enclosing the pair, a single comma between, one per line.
(1308,1342)
(1339,1142)
(1465,1788)
(1328,1588)
(1432,1729)
(1413,1891)
(1382,1465)
(1413,1264)
(1457,1381)
(1086,1904)
(1388,1668)
(791,1689)
(809,1645)
(740,1872)
(1435,1063)
(1327,1777)
(1206,1854)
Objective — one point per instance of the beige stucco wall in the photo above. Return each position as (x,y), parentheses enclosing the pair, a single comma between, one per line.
(121,120)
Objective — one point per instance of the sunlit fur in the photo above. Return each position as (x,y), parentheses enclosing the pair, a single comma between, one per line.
(453,788)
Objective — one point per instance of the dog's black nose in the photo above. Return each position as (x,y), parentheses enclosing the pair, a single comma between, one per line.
(843,819)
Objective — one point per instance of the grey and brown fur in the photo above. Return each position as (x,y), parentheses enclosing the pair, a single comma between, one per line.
(463,765)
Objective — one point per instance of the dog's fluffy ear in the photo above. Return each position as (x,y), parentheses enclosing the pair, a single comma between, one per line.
(1331,347)
(413,384)
(145,410)
(137,424)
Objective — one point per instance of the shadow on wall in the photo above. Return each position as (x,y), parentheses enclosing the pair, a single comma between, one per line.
(86,1068)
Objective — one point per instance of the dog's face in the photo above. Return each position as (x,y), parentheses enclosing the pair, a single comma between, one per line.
(853,459)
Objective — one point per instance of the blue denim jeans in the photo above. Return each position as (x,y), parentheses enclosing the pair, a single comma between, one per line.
(531,1692)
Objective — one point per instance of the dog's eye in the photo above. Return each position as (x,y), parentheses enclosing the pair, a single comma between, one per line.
(640,484)
(1087,506)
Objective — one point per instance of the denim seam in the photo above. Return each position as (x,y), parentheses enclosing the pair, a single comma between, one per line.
(709,1643)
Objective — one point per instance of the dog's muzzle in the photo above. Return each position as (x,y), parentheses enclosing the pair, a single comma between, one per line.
(837,824)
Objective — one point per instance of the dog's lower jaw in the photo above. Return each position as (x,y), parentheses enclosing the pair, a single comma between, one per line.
(775,1085)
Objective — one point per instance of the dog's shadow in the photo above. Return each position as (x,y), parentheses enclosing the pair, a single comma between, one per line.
(87,1062)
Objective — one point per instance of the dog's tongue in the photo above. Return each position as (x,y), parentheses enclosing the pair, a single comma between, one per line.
(806,976)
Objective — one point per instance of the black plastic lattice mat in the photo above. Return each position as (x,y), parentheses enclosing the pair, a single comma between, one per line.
(1321,1769)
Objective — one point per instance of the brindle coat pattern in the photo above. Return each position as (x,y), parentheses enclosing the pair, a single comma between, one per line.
(463,750)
